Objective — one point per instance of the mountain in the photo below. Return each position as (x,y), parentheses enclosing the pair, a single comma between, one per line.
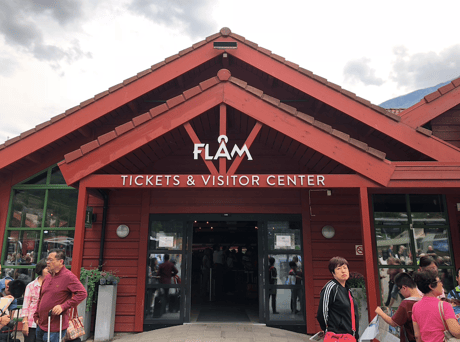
(410,99)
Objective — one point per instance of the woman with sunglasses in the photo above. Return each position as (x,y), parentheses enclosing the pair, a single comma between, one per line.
(426,316)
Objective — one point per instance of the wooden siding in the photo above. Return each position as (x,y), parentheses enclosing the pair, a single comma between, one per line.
(447,126)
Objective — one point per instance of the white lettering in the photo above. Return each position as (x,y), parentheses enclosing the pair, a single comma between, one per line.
(124,179)
(206,153)
(158,180)
(280,180)
(167,179)
(240,152)
(222,152)
(176,180)
(301,179)
(247,180)
(130,180)
(310,180)
(197,150)
(233,179)
(292,180)
(255,180)
(205,181)
(320,179)
(135,180)
(148,180)
(268,180)
(220,180)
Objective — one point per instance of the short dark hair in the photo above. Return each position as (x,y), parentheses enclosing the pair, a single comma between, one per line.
(458,270)
(41,265)
(404,279)
(60,253)
(271,260)
(166,257)
(292,264)
(426,260)
(424,279)
(335,262)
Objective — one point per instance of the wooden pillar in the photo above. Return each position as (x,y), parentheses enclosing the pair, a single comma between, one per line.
(79,237)
(5,192)
(369,255)
(222,131)
(308,265)
(454,227)
(142,261)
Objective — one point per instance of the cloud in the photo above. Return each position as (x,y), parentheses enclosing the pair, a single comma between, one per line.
(9,65)
(21,24)
(194,15)
(425,69)
(359,70)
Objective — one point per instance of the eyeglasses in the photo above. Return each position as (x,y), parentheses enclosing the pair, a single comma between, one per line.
(49,260)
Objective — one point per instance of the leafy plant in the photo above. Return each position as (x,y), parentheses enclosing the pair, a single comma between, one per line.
(356,281)
(93,277)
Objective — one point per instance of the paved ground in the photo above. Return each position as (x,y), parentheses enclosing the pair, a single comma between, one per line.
(215,332)
(211,332)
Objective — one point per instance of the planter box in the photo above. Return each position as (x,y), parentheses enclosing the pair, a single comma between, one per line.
(358,295)
(105,313)
(86,319)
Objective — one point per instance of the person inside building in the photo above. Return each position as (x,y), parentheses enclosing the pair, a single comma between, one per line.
(392,272)
(166,271)
(403,316)
(30,302)
(218,270)
(206,263)
(338,314)
(426,313)
(272,280)
(454,295)
(60,291)
(296,277)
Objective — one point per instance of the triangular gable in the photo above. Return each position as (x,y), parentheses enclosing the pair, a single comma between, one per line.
(250,101)
(333,95)
(432,105)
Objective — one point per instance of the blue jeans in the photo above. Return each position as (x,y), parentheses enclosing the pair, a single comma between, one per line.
(42,336)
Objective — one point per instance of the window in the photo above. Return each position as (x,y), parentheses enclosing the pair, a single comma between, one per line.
(41,217)
(406,228)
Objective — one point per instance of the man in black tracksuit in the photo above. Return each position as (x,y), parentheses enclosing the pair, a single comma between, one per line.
(334,311)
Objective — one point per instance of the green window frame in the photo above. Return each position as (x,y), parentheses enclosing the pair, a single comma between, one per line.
(52,197)
(412,227)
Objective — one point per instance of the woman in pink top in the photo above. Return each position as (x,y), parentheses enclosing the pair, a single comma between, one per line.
(428,325)
(30,302)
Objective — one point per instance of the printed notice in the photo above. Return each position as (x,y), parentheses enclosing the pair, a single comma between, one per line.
(166,241)
(283,241)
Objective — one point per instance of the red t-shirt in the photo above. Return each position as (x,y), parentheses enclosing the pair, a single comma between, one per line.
(403,318)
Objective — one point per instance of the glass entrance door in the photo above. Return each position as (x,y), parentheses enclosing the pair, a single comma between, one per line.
(282,272)
(165,297)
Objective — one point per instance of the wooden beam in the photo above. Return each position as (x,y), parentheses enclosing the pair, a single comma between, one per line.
(423,112)
(171,181)
(106,104)
(308,135)
(86,131)
(351,107)
(141,135)
(79,237)
(222,131)
(212,169)
(252,136)
(369,255)
(5,192)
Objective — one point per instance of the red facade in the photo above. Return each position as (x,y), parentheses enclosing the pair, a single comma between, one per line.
(294,123)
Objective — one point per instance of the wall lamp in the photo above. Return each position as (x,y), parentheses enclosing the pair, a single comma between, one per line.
(122,231)
(328,232)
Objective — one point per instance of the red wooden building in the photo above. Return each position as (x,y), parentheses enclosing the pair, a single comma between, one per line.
(228,143)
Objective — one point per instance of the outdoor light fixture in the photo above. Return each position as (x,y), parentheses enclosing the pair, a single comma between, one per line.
(328,232)
(225,45)
(122,231)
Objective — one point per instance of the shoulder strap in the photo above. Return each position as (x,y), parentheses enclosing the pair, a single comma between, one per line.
(353,323)
(456,294)
(441,312)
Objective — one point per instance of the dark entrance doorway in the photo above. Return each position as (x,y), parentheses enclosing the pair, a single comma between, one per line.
(242,292)
(225,285)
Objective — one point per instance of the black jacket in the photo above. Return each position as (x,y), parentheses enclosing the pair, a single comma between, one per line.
(334,311)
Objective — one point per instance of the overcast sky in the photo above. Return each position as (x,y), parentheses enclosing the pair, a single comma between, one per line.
(56,54)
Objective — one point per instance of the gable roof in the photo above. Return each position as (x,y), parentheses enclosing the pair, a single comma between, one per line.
(432,105)
(247,99)
(77,117)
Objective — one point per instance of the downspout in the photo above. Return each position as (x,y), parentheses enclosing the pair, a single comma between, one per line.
(104,223)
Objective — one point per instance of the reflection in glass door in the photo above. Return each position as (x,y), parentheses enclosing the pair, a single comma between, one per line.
(284,289)
(165,297)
